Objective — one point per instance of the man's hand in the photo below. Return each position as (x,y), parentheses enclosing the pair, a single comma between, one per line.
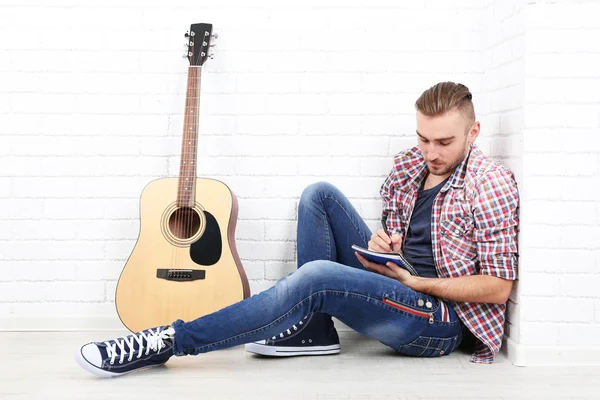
(380,241)
(390,270)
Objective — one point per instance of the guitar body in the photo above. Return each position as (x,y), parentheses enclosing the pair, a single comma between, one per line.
(184,264)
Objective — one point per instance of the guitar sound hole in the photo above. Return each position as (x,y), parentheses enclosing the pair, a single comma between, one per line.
(184,223)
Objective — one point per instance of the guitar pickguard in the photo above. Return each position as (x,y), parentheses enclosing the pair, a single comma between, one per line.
(208,249)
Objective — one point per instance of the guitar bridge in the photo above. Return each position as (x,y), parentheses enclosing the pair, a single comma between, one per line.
(180,275)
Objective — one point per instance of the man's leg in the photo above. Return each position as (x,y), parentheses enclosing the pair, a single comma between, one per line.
(377,306)
(328,225)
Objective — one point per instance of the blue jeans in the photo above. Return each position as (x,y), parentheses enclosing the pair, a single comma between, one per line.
(330,280)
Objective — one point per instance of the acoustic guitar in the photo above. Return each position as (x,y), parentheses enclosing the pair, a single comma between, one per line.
(184,264)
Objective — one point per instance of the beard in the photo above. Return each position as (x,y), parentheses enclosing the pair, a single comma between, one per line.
(445,168)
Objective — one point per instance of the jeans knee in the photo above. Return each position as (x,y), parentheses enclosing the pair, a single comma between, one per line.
(317,271)
(315,191)
(312,268)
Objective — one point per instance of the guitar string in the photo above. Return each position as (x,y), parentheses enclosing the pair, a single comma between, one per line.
(198,86)
(192,177)
(181,187)
(182,183)
(180,208)
(185,165)
(192,117)
(194,146)
(187,195)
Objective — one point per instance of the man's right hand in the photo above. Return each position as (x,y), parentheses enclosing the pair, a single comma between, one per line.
(380,241)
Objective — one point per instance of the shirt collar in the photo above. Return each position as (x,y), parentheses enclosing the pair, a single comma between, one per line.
(417,170)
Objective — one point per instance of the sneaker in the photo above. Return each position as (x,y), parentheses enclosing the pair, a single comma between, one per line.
(142,350)
(314,335)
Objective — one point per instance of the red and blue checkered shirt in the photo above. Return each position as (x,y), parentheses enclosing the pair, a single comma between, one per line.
(473,231)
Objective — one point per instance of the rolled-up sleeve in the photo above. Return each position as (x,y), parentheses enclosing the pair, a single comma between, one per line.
(495,210)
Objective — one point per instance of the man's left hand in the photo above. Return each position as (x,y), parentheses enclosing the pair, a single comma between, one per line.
(390,270)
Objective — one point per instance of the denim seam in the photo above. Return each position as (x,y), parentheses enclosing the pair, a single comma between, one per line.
(435,349)
(198,349)
(347,214)
(327,237)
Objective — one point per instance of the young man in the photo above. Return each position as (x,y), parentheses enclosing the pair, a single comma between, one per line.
(447,207)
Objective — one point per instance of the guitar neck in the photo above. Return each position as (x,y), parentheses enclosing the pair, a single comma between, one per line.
(189,146)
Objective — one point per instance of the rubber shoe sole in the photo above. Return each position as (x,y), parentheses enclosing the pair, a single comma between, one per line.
(287,351)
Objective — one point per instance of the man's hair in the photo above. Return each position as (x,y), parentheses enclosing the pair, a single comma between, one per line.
(444,97)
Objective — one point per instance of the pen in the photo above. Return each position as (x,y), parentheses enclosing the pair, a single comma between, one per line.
(384,225)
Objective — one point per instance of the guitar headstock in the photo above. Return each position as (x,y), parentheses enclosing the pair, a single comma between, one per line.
(199,38)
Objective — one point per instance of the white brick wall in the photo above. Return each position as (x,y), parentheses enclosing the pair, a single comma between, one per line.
(503,85)
(91,110)
(92,102)
(560,273)
(541,81)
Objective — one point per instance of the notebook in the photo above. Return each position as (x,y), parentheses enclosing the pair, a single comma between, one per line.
(382,258)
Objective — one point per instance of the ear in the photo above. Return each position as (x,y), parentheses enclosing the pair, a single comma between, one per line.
(474,132)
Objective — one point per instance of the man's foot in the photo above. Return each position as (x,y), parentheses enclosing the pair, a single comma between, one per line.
(141,350)
(314,335)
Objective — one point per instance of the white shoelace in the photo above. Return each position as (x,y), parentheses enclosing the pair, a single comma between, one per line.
(154,342)
(289,332)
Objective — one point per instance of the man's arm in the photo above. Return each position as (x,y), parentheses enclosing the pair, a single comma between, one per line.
(495,216)
(471,289)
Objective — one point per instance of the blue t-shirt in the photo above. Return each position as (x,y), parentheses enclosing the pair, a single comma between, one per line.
(417,244)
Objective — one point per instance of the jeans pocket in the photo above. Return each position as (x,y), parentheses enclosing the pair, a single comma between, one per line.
(425,346)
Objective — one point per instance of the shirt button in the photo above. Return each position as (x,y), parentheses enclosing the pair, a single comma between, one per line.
(420,302)
(428,304)
(441,351)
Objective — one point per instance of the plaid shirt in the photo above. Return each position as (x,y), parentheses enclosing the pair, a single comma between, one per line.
(473,231)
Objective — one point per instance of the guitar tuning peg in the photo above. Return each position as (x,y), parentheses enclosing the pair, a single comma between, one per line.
(187,34)
(184,55)
(215,35)
(211,56)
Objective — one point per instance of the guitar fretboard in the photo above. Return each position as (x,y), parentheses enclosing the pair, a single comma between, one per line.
(189,146)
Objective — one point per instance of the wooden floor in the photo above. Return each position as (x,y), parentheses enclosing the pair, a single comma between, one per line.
(40,365)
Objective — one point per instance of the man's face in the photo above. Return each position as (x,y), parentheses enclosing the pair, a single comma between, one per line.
(445,140)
